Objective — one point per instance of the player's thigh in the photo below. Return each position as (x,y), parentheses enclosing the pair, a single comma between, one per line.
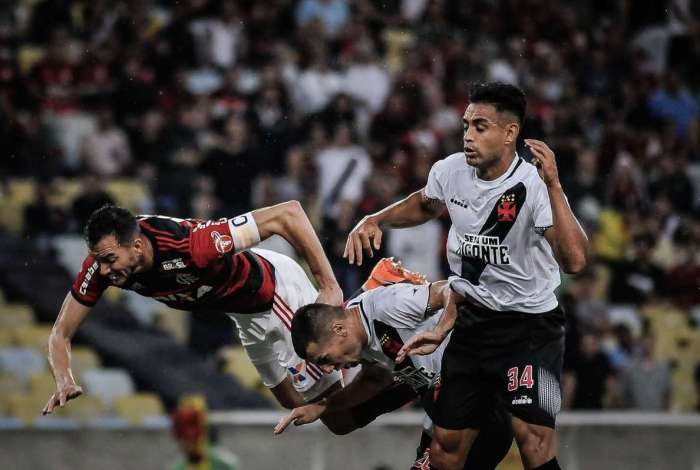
(293,288)
(462,397)
(493,442)
(530,382)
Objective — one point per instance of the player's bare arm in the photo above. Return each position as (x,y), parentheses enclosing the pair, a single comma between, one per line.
(438,295)
(69,318)
(566,236)
(289,220)
(370,381)
(413,210)
(428,341)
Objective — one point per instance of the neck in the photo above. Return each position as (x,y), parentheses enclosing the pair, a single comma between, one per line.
(355,316)
(497,168)
(147,253)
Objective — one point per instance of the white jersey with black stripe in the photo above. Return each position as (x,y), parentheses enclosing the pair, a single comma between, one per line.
(496,247)
(391,315)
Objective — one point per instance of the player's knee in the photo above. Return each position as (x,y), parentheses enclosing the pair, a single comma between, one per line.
(446,454)
(536,444)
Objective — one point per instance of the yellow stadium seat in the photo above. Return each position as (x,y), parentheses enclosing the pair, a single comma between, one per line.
(19,194)
(28,56)
(10,384)
(175,322)
(65,191)
(15,315)
(42,384)
(113,295)
(85,408)
(134,408)
(128,193)
(7,338)
(238,364)
(83,358)
(33,336)
(26,407)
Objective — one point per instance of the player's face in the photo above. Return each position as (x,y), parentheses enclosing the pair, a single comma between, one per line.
(336,352)
(487,133)
(117,262)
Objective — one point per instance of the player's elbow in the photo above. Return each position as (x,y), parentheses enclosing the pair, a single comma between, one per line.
(575,264)
(293,208)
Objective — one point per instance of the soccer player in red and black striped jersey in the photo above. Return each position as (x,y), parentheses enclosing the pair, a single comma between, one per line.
(191,264)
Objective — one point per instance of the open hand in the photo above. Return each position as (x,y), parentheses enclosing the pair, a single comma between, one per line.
(363,237)
(303,415)
(62,396)
(421,344)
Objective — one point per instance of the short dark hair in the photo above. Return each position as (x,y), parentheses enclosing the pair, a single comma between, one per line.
(504,96)
(311,323)
(111,220)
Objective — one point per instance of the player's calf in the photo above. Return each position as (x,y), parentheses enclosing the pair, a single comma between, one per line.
(536,445)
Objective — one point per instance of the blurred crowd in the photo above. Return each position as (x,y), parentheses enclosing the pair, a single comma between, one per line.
(222,106)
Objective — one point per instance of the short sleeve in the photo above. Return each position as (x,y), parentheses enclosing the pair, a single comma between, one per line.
(542,209)
(434,188)
(89,284)
(399,305)
(210,240)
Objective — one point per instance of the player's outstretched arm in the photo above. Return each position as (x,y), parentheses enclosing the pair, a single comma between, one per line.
(566,236)
(370,381)
(291,222)
(428,341)
(69,318)
(413,210)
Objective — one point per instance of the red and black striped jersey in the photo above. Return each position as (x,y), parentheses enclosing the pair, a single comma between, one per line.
(195,267)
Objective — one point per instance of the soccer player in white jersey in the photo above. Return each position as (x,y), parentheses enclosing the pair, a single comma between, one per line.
(370,331)
(512,229)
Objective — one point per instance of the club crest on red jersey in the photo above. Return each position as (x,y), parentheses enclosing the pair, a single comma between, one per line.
(507,208)
(222,243)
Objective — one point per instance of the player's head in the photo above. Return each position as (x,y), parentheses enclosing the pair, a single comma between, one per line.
(492,122)
(327,336)
(112,236)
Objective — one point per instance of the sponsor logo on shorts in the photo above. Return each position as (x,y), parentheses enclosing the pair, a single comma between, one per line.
(521,400)
(222,243)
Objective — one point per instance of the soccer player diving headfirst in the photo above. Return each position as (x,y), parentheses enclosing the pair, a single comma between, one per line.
(370,330)
(192,264)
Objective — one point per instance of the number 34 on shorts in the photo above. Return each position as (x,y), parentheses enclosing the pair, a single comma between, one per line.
(520,377)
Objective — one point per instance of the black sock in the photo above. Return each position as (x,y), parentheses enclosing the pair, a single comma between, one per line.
(551,465)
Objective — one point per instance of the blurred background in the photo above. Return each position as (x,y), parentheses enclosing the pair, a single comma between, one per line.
(209,108)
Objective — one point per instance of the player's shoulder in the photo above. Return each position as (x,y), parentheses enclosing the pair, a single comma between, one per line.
(527,173)
(448,167)
(165,225)
(456,160)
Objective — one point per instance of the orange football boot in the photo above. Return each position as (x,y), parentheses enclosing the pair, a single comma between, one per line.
(388,271)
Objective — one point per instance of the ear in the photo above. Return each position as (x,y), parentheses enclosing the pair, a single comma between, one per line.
(138,244)
(338,328)
(512,131)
